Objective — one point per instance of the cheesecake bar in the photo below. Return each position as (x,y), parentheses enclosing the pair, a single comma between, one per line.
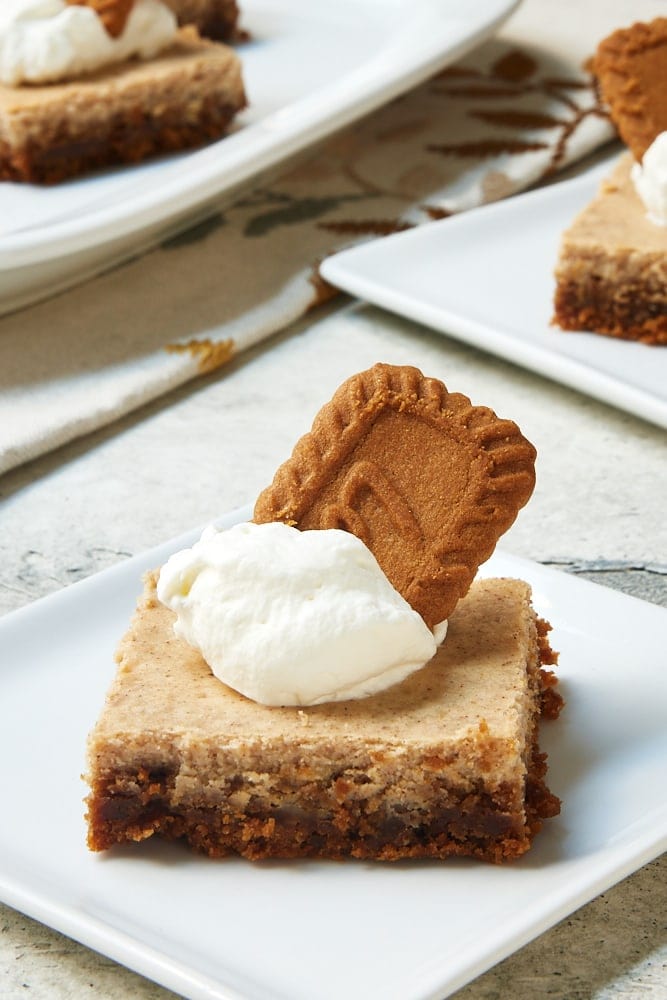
(182,98)
(611,275)
(445,763)
(213,18)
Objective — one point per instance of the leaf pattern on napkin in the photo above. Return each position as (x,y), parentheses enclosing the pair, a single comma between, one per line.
(501,120)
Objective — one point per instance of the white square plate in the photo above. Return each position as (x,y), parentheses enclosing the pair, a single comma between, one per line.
(298,930)
(487,277)
(309,68)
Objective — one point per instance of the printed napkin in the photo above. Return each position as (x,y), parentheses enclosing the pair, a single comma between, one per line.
(512,113)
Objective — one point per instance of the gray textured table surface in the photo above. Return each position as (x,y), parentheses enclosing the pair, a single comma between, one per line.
(598,511)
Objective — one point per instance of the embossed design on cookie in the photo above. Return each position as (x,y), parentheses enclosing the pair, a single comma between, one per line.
(366,479)
(426,479)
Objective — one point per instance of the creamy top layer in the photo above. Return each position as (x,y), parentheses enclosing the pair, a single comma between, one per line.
(289,617)
(650,180)
(45,41)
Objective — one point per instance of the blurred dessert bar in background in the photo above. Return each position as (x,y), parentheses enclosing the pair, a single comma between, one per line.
(611,276)
(90,85)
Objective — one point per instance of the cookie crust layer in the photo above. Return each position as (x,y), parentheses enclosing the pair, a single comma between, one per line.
(446,763)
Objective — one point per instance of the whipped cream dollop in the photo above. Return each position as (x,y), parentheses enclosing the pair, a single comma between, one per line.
(289,617)
(650,180)
(44,41)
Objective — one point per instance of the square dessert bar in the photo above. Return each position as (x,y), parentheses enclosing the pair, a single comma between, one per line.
(445,763)
(184,97)
(611,276)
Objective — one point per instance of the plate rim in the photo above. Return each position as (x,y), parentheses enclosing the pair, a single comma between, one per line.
(94,932)
(346,270)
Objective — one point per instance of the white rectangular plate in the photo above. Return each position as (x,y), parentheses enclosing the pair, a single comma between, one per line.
(309,68)
(233,929)
(487,277)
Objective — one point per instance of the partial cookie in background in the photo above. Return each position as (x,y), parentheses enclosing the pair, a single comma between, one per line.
(428,481)
(213,18)
(112,13)
(631,66)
